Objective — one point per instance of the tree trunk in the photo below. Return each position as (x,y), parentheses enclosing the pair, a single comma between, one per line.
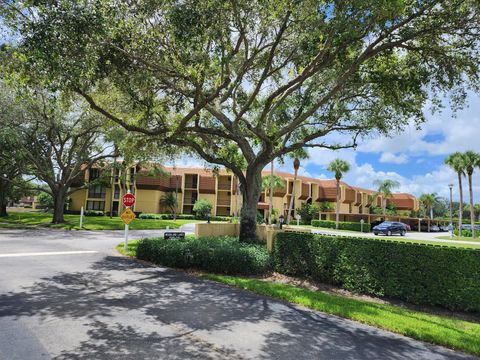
(250,194)
(384,208)
(337,207)
(59,206)
(472,212)
(460,212)
(431,212)
(270,195)
(3,201)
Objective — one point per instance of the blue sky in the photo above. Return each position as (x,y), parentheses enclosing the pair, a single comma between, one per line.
(413,157)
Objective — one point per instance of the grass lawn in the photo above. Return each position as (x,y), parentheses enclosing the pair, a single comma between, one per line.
(17,220)
(461,238)
(440,330)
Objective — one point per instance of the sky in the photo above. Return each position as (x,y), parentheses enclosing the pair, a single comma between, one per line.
(414,157)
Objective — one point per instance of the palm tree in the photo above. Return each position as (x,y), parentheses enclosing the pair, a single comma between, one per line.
(385,188)
(472,160)
(169,201)
(338,167)
(296,166)
(270,183)
(456,162)
(429,201)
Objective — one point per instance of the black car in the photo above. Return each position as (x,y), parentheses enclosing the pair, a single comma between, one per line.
(389,228)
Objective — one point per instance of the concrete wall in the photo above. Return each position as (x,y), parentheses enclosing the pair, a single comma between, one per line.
(78,200)
(148,201)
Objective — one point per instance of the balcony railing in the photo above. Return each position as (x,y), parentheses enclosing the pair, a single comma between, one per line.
(223,186)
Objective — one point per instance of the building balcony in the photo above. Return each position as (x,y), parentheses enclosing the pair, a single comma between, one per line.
(223,202)
(223,186)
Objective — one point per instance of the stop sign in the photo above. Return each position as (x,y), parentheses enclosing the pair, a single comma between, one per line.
(128,200)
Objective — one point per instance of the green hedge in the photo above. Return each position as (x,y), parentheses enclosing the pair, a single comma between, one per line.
(342,225)
(224,255)
(420,274)
(180,217)
(94,213)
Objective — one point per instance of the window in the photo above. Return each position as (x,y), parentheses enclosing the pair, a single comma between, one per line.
(116,194)
(97,192)
(94,174)
(95,205)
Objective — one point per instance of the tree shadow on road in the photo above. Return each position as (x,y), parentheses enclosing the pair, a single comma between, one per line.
(133,311)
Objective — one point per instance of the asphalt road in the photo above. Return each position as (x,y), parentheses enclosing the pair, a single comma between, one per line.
(68,295)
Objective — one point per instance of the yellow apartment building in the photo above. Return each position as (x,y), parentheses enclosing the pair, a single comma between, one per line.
(221,190)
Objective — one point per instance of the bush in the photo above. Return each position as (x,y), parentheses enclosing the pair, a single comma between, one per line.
(94,213)
(420,274)
(150,216)
(308,212)
(352,226)
(202,208)
(224,255)
(45,199)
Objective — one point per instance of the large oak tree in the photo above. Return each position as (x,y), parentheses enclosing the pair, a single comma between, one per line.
(57,138)
(243,82)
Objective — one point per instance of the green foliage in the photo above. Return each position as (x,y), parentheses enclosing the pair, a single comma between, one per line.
(45,199)
(278,183)
(308,212)
(428,201)
(342,225)
(182,217)
(420,274)
(224,255)
(202,208)
(326,206)
(339,167)
(260,219)
(94,213)
(169,201)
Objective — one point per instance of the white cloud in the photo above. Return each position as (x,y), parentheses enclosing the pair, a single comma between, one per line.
(458,133)
(391,158)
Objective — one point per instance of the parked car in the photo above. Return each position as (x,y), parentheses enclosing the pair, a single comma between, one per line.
(434,228)
(469,227)
(407,227)
(389,228)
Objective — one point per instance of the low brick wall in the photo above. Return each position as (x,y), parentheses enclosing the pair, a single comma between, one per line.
(216,229)
(264,232)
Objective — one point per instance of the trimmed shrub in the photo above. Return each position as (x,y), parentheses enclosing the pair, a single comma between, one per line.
(225,255)
(94,213)
(342,225)
(202,208)
(180,217)
(420,274)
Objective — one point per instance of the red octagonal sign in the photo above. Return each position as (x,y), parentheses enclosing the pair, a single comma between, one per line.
(128,200)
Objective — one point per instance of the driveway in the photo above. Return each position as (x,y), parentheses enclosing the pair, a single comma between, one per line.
(68,295)
(432,236)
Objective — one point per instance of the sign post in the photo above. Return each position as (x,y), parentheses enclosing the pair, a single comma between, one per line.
(128,215)
(298,217)
(81,217)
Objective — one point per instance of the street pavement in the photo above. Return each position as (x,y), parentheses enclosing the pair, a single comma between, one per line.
(69,295)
